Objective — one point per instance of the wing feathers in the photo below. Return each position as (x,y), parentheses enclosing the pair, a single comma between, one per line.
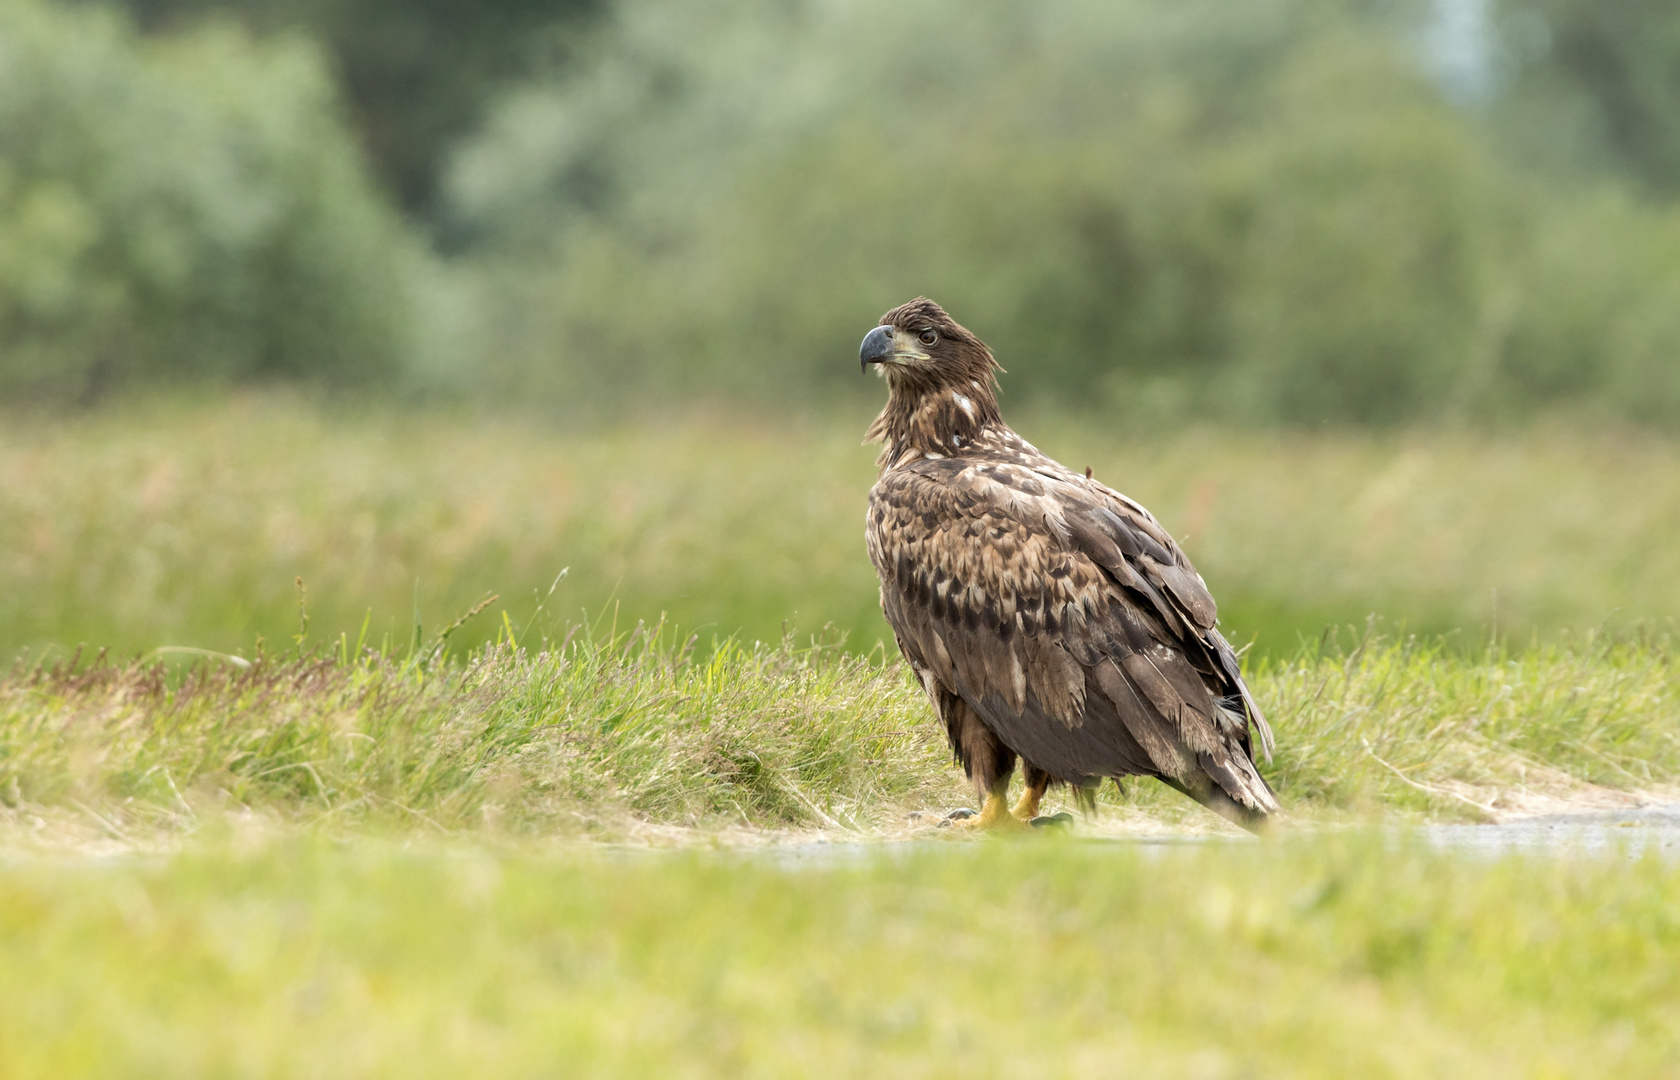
(1187,588)
(1142,722)
(1068,620)
(1059,681)
(1228,661)
(1194,730)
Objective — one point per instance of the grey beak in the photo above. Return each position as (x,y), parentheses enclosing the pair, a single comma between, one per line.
(877,346)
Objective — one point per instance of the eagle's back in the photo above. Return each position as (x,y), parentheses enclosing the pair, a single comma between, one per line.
(1064,615)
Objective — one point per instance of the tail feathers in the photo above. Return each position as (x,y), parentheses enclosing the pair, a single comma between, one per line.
(1237,777)
(1227,783)
(1215,798)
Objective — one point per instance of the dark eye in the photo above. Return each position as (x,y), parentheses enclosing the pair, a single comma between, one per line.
(928,337)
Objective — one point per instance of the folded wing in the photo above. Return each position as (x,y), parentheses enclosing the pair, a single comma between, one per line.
(1070,622)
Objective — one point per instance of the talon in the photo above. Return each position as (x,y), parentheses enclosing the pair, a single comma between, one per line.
(1060,820)
(961,813)
(993,815)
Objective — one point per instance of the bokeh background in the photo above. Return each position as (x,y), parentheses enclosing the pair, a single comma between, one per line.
(1377,304)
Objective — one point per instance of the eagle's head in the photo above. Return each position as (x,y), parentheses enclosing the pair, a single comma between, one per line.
(921,350)
(941,383)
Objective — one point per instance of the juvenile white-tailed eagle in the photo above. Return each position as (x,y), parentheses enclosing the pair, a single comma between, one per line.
(1050,618)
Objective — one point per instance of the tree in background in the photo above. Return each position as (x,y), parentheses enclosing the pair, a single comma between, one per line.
(190,209)
(1277,211)
(1594,85)
(1262,214)
(417,73)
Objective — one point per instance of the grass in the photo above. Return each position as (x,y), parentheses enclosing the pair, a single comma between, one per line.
(601,735)
(341,832)
(186,525)
(585,735)
(1339,957)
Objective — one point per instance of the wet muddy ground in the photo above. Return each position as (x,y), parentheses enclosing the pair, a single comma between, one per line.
(1627,833)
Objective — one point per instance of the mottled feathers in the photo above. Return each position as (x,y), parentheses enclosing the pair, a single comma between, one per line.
(1052,608)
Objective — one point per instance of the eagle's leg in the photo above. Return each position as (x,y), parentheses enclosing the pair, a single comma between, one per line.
(994,809)
(1026,807)
(994,812)
(989,764)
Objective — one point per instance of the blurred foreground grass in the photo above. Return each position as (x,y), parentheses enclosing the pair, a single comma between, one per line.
(185,525)
(1335,957)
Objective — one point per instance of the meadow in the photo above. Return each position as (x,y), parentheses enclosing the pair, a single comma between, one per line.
(435,631)
(1342,956)
(446,809)
(188,525)
(332,615)
(641,734)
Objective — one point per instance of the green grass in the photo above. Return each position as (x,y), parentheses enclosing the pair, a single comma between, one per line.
(186,525)
(377,842)
(601,735)
(1333,958)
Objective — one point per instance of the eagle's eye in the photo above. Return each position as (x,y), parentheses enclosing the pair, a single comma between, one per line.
(928,337)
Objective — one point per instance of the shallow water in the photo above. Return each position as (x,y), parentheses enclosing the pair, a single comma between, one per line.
(1632,832)
(1628,833)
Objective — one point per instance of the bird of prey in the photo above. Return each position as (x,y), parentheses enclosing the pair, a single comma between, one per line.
(1048,617)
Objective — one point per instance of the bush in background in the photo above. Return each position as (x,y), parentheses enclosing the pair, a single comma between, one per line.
(416,74)
(1280,212)
(186,209)
(1267,212)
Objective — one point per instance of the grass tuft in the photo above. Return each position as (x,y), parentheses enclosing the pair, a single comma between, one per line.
(1414,725)
(597,731)
(579,733)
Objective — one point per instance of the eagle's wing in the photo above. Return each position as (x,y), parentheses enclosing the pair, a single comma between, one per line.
(1069,620)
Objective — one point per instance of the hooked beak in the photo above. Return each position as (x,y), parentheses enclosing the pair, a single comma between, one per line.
(877,347)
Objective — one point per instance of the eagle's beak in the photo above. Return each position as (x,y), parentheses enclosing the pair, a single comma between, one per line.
(877,347)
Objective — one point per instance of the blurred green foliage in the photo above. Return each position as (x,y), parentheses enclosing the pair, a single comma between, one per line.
(1268,213)
(189,208)
(1593,85)
(1280,212)
(417,74)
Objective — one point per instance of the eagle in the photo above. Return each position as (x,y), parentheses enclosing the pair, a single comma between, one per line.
(1048,617)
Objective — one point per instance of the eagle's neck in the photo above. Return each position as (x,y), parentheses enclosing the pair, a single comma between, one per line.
(941,422)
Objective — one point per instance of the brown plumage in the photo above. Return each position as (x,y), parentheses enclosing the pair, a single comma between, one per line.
(1049,618)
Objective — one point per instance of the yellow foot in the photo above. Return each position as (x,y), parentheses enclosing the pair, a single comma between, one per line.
(1026,807)
(994,814)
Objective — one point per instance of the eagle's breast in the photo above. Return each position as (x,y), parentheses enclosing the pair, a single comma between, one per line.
(979,543)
